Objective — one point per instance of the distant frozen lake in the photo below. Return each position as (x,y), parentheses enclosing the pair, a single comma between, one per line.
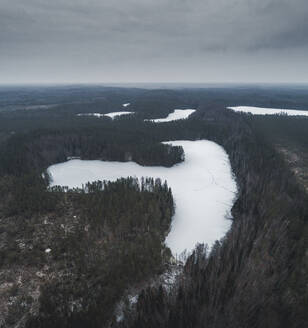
(268,111)
(203,189)
(178,114)
(111,115)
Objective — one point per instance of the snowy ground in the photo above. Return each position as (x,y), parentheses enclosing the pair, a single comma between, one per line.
(269,111)
(178,114)
(203,188)
(111,115)
(126,105)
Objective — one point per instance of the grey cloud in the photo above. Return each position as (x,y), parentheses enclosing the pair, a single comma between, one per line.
(232,23)
(102,33)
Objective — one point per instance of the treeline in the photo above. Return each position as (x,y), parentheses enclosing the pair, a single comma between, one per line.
(281,128)
(35,151)
(26,195)
(256,276)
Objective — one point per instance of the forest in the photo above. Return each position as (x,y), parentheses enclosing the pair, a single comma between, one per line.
(256,276)
(107,237)
(102,239)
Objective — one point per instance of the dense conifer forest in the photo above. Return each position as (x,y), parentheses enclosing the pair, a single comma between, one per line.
(102,239)
(256,275)
(68,256)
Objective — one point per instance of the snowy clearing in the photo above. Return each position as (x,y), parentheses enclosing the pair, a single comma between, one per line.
(268,111)
(203,189)
(178,114)
(111,115)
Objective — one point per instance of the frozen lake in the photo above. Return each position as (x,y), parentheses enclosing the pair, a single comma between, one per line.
(178,114)
(268,111)
(111,115)
(203,189)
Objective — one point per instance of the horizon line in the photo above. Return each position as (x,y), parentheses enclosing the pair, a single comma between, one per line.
(106,84)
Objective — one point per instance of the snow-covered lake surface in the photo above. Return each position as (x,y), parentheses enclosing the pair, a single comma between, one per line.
(178,114)
(111,115)
(269,111)
(203,189)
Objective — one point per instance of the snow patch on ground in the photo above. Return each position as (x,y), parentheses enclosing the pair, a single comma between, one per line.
(126,105)
(203,188)
(268,111)
(111,115)
(178,114)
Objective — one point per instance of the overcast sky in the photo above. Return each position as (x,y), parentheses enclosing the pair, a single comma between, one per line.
(94,41)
